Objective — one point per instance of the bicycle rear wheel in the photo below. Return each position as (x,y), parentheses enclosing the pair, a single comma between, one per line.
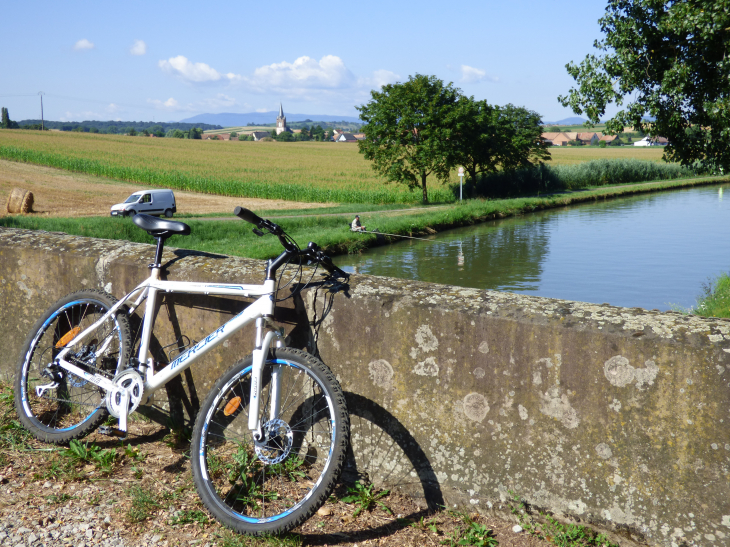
(272,486)
(67,406)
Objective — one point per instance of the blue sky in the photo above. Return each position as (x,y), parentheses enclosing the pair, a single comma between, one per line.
(166,61)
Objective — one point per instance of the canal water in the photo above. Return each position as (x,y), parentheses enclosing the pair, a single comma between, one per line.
(654,251)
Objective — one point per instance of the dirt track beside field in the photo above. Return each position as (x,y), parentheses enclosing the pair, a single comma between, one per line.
(59,193)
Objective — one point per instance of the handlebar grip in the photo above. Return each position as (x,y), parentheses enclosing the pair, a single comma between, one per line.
(248,216)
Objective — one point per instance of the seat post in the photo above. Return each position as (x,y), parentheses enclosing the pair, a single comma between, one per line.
(158,253)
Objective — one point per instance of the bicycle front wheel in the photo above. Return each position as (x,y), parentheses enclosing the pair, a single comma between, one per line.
(57,406)
(271,486)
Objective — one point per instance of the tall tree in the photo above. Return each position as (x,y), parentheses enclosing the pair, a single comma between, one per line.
(409,130)
(493,137)
(5,118)
(666,60)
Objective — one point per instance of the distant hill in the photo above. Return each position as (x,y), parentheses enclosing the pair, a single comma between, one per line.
(575,120)
(263,118)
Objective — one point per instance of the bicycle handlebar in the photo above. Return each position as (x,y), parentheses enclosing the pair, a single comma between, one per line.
(312,252)
(248,216)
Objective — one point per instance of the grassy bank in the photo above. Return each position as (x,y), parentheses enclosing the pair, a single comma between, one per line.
(332,232)
(715,298)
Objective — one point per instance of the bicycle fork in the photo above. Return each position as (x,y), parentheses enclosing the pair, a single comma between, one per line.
(260,352)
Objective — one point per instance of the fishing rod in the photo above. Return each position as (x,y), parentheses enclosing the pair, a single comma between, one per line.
(393,235)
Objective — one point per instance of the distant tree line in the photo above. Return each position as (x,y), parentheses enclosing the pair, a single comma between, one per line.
(7,123)
(192,133)
(118,127)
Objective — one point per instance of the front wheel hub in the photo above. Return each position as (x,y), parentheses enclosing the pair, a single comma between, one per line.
(277,442)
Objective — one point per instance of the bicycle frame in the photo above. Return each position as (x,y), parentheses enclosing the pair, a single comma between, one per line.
(261,311)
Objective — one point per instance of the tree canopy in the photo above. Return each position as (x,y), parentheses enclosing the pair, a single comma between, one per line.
(667,64)
(423,127)
(409,130)
(494,137)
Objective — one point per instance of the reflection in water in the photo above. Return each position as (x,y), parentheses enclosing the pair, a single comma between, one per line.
(652,251)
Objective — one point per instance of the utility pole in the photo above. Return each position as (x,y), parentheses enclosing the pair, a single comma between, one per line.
(41,95)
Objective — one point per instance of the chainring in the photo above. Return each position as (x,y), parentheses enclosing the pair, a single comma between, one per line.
(128,379)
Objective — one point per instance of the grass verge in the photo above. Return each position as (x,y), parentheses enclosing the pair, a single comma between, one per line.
(714,300)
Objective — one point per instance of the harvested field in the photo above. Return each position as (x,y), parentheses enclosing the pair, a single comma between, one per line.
(59,193)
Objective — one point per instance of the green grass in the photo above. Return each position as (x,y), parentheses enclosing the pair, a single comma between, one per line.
(545,527)
(365,498)
(715,298)
(144,504)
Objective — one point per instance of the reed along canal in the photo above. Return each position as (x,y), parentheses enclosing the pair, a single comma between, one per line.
(653,251)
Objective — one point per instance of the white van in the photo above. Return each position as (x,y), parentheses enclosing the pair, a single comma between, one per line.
(150,202)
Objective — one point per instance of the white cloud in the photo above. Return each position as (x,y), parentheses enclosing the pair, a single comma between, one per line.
(380,78)
(471,75)
(170,104)
(304,73)
(83,44)
(194,72)
(138,48)
(262,110)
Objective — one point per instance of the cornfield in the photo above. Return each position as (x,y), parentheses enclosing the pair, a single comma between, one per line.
(306,171)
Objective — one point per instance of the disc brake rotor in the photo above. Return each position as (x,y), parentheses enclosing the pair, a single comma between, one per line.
(278,443)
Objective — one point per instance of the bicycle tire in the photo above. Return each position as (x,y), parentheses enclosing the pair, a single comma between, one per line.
(75,407)
(273,487)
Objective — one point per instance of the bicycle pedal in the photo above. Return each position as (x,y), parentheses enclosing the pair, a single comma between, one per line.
(112,432)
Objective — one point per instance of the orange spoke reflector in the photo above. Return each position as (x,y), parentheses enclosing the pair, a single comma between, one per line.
(66,338)
(232,406)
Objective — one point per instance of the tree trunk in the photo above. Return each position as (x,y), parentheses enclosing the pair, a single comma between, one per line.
(473,175)
(423,186)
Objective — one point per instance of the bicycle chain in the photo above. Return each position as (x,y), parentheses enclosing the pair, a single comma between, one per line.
(94,370)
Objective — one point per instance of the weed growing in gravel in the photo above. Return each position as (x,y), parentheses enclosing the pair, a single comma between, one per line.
(144,504)
(471,533)
(562,535)
(60,498)
(423,524)
(365,498)
(79,454)
(134,454)
(190,516)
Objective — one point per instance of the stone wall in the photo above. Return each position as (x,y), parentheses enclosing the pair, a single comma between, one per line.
(612,416)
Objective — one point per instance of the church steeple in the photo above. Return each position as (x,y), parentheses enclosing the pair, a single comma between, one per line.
(281,121)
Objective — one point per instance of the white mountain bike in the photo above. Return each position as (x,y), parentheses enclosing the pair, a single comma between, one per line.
(269,441)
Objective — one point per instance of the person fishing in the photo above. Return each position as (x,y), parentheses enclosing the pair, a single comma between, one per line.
(356,226)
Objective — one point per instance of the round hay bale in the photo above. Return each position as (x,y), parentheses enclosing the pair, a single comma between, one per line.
(20,201)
